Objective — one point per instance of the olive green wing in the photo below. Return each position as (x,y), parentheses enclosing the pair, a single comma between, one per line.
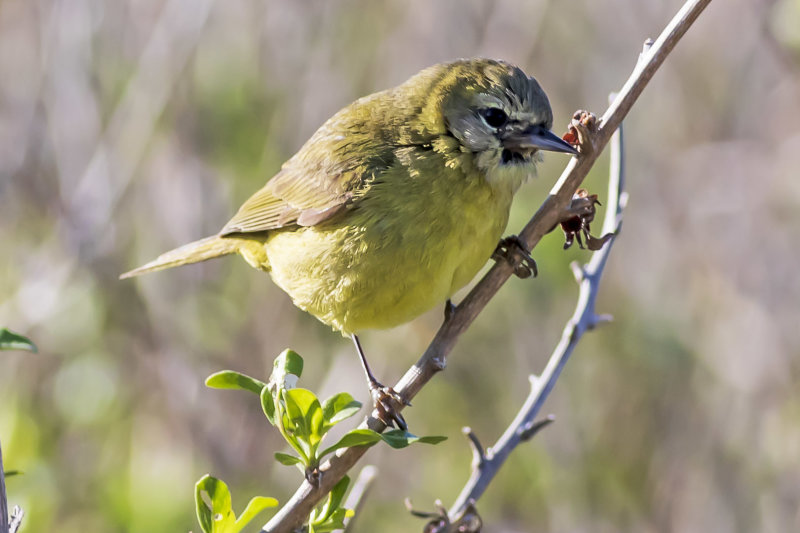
(289,198)
(337,165)
(331,172)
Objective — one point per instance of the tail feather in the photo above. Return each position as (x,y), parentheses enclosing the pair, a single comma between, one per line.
(194,252)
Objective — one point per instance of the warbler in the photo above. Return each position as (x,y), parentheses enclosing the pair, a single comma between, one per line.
(396,202)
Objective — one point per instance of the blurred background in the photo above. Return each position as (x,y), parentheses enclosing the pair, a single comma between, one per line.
(128,128)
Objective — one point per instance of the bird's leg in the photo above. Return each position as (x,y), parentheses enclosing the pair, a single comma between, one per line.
(449,308)
(515,252)
(385,399)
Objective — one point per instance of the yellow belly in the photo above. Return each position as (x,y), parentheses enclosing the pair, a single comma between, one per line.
(393,257)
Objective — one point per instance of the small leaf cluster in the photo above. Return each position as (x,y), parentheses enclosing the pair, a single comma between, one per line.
(303,421)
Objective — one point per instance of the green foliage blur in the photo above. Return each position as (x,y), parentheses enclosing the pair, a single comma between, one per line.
(14,341)
(130,127)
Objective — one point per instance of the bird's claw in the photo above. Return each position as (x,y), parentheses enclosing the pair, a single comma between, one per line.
(512,250)
(388,403)
(581,132)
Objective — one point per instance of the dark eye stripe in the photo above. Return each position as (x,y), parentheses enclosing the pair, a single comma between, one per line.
(494,117)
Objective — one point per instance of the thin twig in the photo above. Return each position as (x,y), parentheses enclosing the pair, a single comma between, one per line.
(16,519)
(8,524)
(478,455)
(524,426)
(3,501)
(297,509)
(357,494)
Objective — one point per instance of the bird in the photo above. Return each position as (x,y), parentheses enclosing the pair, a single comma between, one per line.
(395,202)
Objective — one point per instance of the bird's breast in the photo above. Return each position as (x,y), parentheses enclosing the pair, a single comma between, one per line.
(404,248)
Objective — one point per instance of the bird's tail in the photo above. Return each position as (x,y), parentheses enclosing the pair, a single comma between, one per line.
(194,252)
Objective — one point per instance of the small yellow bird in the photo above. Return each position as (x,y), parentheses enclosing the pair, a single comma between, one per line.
(396,202)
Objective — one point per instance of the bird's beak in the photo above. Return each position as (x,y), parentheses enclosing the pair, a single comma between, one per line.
(536,137)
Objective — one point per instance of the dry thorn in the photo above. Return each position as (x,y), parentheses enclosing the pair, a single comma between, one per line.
(478,455)
(529,430)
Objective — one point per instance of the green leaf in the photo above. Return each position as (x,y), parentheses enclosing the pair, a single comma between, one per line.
(305,415)
(397,438)
(14,341)
(288,459)
(229,379)
(254,507)
(331,516)
(334,522)
(286,370)
(219,517)
(355,437)
(335,497)
(339,407)
(268,405)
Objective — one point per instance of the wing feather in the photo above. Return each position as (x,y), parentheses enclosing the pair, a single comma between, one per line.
(337,165)
(293,198)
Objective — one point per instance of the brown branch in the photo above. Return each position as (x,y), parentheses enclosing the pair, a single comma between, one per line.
(297,509)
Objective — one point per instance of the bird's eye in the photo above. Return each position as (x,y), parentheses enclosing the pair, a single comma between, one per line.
(494,117)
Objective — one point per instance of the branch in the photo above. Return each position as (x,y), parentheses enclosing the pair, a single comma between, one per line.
(8,524)
(4,528)
(485,465)
(16,519)
(297,509)
(357,494)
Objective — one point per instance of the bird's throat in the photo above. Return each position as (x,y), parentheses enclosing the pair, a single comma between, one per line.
(517,157)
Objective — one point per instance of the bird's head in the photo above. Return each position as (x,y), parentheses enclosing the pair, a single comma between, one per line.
(496,112)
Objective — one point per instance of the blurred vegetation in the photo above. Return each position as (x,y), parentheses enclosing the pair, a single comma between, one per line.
(127,128)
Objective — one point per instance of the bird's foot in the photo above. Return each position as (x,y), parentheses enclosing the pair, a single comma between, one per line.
(576,218)
(388,403)
(512,250)
(582,131)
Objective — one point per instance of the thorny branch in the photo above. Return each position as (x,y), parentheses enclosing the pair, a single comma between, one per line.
(486,464)
(297,509)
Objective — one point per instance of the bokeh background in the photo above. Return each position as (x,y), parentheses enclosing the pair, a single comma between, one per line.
(130,127)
